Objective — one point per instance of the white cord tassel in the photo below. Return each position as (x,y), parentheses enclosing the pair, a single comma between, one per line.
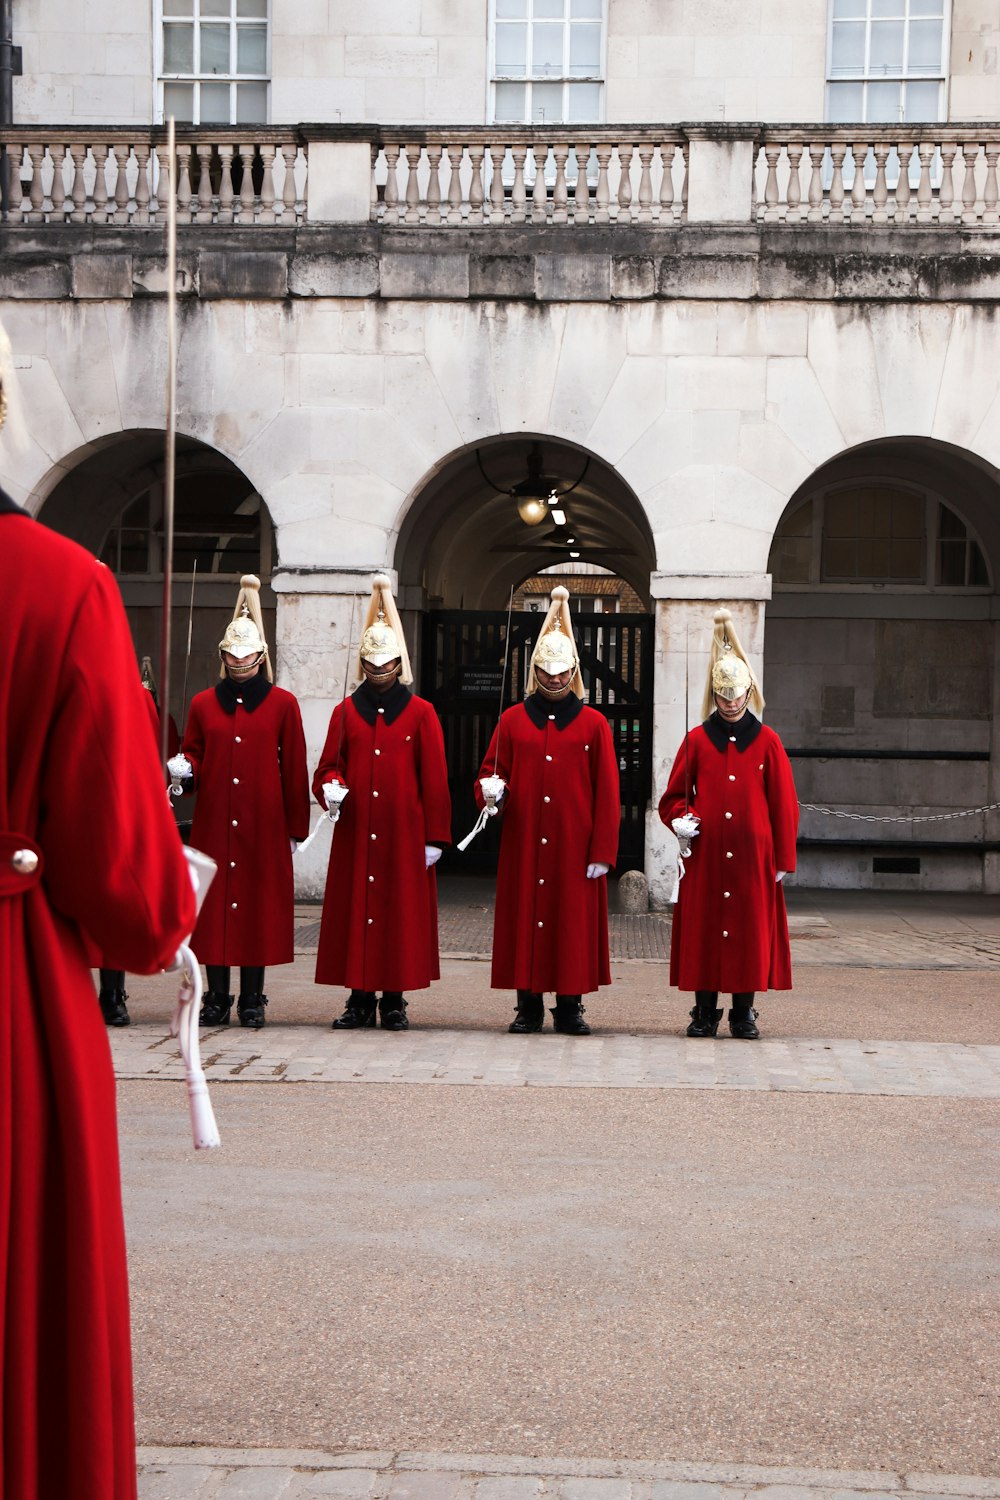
(334,792)
(184,1027)
(493,789)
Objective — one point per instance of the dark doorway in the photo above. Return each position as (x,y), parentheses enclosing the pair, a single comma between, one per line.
(462,675)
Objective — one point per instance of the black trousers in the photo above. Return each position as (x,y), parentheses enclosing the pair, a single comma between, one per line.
(251,980)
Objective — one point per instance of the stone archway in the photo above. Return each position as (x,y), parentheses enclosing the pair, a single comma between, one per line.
(881,663)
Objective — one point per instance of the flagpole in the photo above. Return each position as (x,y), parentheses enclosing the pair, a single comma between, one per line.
(169,457)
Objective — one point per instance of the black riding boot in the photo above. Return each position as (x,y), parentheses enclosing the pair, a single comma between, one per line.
(705,1017)
(250,1006)
(217,1001)
(567,1016)
(530,1013)
(112,997)
(392,1011)
(359,1011)
(743,1018)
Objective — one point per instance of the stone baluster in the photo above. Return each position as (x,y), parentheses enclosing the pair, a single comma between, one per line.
(771,154)
(36,191)
(793,194)
(454,158)
(58,184)
(100,198)
(289,196)
(433,185)
(925,193)
(838,151)
(247,197)
(226,195)
(373,198)
(816,151)
(624,214)
(901,202)
(518,193)
(560,194)
(970,156)
(141,214)
(685,178)
(581,189)
(476,191)
(645,184)
(859,188)
(391,196)
(880,195)
(78,155)
(123,196)
(498,203)
(603,194)
(667,154)
(990,195)
(412,196)
(184,214)
(267,215)
(946,192)
(540,192)
(203,156)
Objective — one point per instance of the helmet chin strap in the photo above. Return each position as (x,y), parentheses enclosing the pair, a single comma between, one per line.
(554,693)
(378,679)
(240,673)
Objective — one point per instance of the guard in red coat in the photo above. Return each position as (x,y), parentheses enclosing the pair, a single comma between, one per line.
(245,748)
(561,808)
(112,995)
(731,790)
(90,859)
(384,744)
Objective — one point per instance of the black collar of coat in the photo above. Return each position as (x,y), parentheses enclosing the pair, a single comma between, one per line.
(10,507)
(744,731)
(562,710)
(368,702)
(253,693)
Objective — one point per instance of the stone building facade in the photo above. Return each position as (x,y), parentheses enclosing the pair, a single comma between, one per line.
(762,355)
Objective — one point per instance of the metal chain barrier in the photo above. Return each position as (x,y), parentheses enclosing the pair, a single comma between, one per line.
(856,817)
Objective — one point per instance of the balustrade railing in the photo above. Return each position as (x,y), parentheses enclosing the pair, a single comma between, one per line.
(112,176)
(509,175)
(877,174)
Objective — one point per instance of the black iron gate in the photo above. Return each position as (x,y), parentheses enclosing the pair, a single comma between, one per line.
(462,670)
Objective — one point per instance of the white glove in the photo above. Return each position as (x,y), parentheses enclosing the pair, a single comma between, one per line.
(594,872)
(780,876)
(334,793)
(686,827)
(179,770)
(294,843)
(431,856)
(493,788)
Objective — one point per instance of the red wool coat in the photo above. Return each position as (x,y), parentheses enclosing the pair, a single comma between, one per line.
(730,930)
(379,928)
(80,785)
(252,785)
(561,812)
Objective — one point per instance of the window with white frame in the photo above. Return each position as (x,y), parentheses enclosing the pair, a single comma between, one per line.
(887,61)
(214,61)
(547,60)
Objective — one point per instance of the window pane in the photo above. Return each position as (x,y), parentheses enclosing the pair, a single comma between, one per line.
(889,8)
(908,515)
(791,562)
(214,49)
(848,8)
(251,103)
(251,8)
(178,8)
(546,50)
(906,561)
(951,564)
(509,102)
(873,558)
(216,8)
(512,49)
(515,8)
(178,49)
(178,100)
(584,102)
(886,46)
(845,103)
(925,47)
(977,566)
(884,102)
(950,524)
(215,103)
(251,49)
(550,9)
(546,102)
(848,51)
(923,101)
(586,8)
(584,51)
(840,515)
(839,560)
(926,8)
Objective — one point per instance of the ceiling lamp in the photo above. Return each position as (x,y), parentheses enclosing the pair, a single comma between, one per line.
(534,494)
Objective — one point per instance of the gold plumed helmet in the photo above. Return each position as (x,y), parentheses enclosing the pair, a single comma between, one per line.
(729,672)
(382,639)
(555,650)
(244,635)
